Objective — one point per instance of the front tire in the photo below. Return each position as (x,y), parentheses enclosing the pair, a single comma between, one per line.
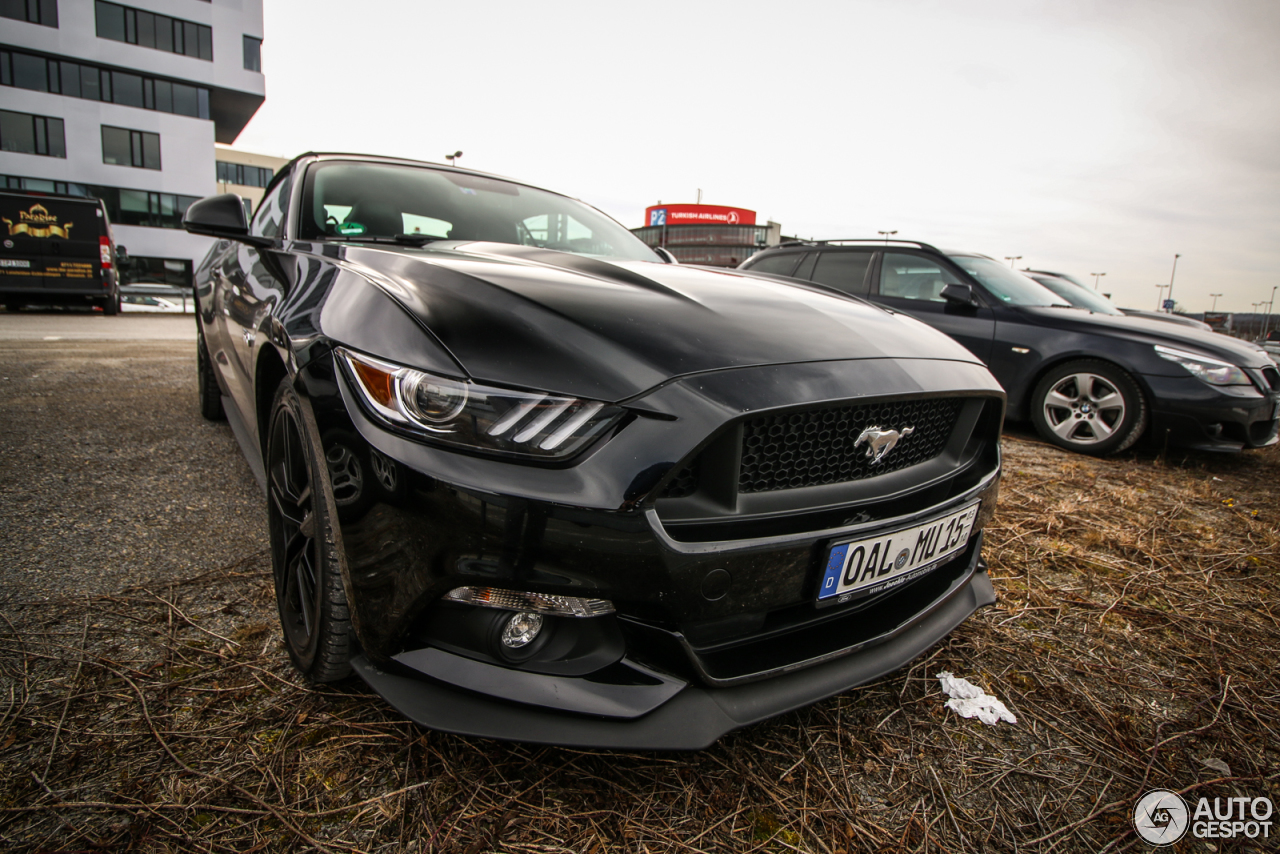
(304,550)
(1089,406)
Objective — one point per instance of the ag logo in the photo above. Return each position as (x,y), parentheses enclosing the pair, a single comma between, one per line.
(37,222)
(1161,817)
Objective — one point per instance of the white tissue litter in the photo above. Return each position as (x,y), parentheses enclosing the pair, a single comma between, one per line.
(969,701)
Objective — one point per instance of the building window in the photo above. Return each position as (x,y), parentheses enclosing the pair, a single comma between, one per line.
(245,176)
(125,147)
(76,80)
(143,270)
(43,12)
(124,206)
(252,54)
(27,134)
(147,29)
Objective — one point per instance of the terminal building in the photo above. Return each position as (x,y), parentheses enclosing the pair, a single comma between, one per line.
(125,102)
(710,235)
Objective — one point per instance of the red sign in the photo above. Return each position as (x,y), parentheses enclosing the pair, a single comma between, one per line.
(698,215)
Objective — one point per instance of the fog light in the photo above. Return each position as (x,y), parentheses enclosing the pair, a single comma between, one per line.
(516,600)
(521,629)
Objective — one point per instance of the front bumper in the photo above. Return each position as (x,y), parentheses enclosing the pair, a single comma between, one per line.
(1189,413)
(717,624)
(694,717)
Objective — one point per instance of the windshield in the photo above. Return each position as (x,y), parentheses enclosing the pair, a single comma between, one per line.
(1077,295)
(1009,287)
(360,201)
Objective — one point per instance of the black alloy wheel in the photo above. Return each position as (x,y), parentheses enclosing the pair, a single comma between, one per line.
(1089,406)
(207,382)
(304,552)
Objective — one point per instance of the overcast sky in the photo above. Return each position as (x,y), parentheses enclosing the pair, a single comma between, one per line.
(1084,136)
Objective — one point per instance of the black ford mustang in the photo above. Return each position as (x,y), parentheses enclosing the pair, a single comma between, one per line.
(532,482)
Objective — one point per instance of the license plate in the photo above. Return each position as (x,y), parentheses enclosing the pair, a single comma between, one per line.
(862,567)
(15,263)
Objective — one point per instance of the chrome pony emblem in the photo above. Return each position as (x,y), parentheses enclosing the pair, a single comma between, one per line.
(880,442)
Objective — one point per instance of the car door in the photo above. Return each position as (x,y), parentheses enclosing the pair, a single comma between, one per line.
(250,286)
(913,283)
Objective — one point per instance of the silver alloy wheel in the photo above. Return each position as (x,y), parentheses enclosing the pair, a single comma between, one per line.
(345,474)
(1084,408)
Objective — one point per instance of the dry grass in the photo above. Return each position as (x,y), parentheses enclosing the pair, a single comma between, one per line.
(1136,639)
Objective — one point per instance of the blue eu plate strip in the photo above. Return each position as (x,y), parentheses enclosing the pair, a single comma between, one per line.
(835,566)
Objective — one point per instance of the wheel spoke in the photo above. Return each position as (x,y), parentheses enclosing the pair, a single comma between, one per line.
(1084,385)
(1065,428)
(1058,399)
(306,592)
(1110,400)
(1101,429)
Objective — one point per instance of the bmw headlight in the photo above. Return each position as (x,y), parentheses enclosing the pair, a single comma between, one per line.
(1206,368)
(531,424)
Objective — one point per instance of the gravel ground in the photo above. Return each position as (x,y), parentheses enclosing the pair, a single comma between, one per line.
(147,704)
(109,477)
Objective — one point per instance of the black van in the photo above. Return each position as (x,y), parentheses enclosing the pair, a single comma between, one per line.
(56,250)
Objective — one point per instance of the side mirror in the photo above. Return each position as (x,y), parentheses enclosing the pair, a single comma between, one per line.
(960,295)
(665,255)
(221,216)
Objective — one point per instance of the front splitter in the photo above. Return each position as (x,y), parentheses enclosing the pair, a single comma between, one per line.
(691,720)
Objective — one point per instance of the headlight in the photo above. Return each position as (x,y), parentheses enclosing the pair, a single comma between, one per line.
(456,412)
(1212,371)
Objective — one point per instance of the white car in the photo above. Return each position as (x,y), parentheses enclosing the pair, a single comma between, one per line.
(145,303)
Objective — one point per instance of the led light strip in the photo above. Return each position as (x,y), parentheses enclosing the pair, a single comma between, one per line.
(544,603)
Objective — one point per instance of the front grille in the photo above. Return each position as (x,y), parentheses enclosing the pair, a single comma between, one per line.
(685,482)
(817,446)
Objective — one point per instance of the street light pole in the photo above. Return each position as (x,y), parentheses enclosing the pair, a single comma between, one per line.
(452,158)
(1160,295)
(1215,302)
(1171,275)
(1011,259)
(1096,276)
(886,235)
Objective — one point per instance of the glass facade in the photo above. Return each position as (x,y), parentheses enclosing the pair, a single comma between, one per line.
(27,134)
(43,12)
(245,176)
(148,29)
(252,54)
(125,147)
(124,206)
(709,245)
(94,83)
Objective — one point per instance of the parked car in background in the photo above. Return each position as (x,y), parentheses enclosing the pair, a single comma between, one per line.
(56,250)
(1083,296)
(1089,381)
(149,304)
(533,483)
(1271,344)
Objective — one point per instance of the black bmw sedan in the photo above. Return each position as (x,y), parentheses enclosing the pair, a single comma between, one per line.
(1090,381)
(531,482)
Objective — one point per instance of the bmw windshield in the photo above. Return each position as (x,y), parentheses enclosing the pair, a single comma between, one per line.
(1006,285)
(1079,296)
(377,202)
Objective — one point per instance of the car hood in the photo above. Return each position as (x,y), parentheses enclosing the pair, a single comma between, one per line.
(609,330)
(1151,331)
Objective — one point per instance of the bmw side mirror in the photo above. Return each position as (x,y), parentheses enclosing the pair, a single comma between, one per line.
(221,216)
(959,295)
(665,254)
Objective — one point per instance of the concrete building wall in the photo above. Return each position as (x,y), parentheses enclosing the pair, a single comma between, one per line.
(186,143)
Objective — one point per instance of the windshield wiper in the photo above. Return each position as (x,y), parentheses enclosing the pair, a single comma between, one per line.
(399,239)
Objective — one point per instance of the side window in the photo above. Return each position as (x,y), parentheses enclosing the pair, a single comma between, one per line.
(913,277)
(782,264)
(842,269)
(269,221)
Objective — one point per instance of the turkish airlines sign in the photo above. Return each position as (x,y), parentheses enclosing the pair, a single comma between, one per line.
(698,215)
